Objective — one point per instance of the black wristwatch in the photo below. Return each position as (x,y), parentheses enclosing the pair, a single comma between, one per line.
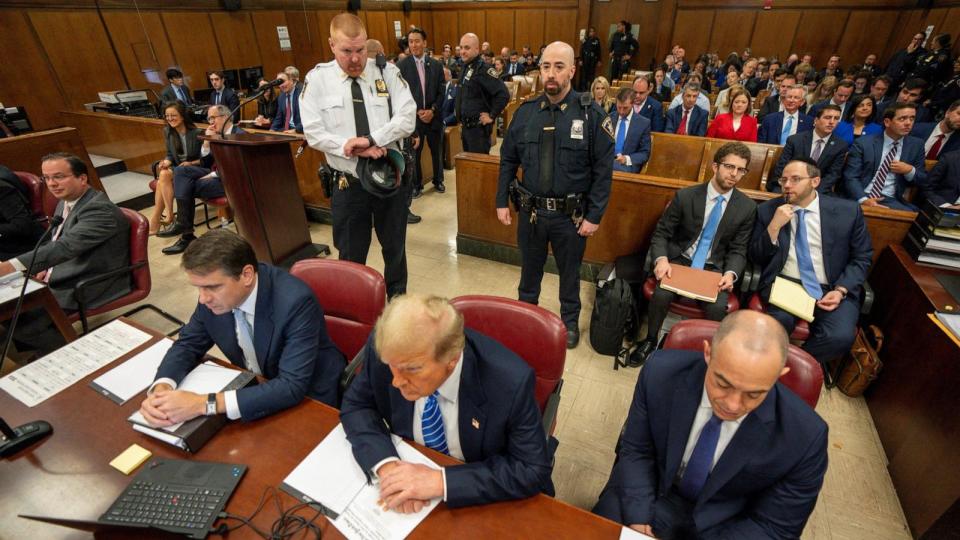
(211,404)
(371,141)
(840,290)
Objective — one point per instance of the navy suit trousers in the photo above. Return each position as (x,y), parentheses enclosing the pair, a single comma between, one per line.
(831,333)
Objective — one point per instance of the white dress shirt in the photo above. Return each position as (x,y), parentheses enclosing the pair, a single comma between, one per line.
(811,219)
(890,182)
(813,143)
(728,428)
(932,139)
(67,209)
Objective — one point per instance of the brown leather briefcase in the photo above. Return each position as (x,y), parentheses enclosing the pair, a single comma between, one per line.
(864,363)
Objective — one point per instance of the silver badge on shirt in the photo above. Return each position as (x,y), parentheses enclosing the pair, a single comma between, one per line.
(576,129)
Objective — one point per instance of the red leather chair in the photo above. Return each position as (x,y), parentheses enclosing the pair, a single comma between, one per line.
(800,332)
(353,297)
(805,376)
(533,333)
(139,272)
(41,200)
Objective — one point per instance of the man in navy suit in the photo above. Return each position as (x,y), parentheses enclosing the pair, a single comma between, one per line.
(264,320)
(818,144)
(448,109)
(878,91)
(943,187)
(777,127)
(840,98)
(688,119)
(772,104)
(879,167)
(941,137)
(632,135)
(424,76)
(223,94)
(287,118)
(646,105)
(714,447)
(456,391)
(821,243)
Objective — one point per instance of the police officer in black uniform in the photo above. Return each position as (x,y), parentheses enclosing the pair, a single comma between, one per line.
(564,143)
(936,65)
(480,99)
(621,43)
(589,56)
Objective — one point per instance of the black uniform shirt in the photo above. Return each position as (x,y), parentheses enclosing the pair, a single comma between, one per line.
(480,91)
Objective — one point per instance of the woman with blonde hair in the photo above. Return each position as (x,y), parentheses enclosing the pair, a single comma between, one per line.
(600,90)
(736,125)
(824,90)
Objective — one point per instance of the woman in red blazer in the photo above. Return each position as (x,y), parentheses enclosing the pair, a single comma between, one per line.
(736,125)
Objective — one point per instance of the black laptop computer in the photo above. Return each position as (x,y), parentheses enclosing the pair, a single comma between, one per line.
(173,495)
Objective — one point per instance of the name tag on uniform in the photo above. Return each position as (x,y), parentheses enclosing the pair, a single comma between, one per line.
(576,129)
(381,88)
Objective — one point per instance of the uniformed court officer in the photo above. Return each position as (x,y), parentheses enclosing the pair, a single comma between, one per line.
(480,98)
(564,143)
(353,109)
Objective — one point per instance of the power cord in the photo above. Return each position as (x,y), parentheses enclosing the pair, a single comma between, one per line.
(288,524)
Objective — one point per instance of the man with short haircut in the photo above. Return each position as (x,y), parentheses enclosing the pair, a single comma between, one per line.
(622,46)
(779,126)
(881,99)
(590,56)
(774,103)
(353,112)
(425,377)
(632,136)
(223,94)
(687,119)
(92,240)
(424,76)
(881,166)
(840,98)
(749,79)
(943,187)
(940,138)
(707,227)
(287,118)
(819,144)
(714,447)
(481,98)
(905,60)
(702,100)
(869,65)
(821,243)
(513,66)
(263,320)
(832,70)
(176,90)
(647,105)
(912,92)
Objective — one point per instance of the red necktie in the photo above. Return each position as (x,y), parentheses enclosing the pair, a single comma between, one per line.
(935,149)
(682,128)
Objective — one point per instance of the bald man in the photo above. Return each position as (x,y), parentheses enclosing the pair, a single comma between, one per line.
(455,391)
(714,447)
(480,98)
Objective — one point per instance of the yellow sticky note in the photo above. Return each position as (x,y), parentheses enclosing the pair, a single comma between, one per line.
(130,459)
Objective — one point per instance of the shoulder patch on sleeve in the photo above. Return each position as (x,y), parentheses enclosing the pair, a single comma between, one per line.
(492,72)
(607,126)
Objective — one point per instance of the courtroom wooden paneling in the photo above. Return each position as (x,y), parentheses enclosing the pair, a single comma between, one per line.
(142,46)
(806,4)
(500,29)
(423,19)
(819,33)
(24,153)
(265,25)
(84,63)
(235,39)
(305,39)
(446,28)
(773,32)
(560,25)
(194,45)
(529,29)
(40,94)
(323,23)
(866,32)
(137,141)
(693,28)
(729,29)
(475,21)
(380,29)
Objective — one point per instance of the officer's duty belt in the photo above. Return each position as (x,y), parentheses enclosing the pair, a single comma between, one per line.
(471,122)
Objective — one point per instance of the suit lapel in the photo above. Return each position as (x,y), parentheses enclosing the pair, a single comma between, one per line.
(402,415)
(827,211)
(699,206)
(686,400)
(783,239)
(263,319)
(472,419)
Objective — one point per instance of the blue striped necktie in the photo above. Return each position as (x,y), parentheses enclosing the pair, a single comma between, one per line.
(432,423)
(808,276)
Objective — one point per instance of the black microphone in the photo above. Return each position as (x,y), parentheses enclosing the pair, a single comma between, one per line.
(55,222)
(272,84)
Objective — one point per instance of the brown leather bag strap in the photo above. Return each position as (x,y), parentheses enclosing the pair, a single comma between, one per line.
(877,338)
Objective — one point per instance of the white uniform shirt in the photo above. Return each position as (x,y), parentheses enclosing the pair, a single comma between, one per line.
(326,109)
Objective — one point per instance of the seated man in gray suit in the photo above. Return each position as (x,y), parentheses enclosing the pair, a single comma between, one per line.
(93,239)
(176,90)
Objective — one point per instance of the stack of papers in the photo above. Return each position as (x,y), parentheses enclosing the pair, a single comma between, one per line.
(10,285)
(792,298)
(133,376)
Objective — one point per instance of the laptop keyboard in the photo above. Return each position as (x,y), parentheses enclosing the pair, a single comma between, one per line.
(167,506)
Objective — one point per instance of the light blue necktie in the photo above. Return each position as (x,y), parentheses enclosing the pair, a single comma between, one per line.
(709,230)
(701,460)
(180,93)
(808,277)
(786,130)
(432,425)
(245,340)
(621,135)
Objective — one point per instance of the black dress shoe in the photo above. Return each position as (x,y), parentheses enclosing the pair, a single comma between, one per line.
(640,354)
(174,229)
(439,187)
(180,246)
(417,191)
(573,336)
(413,218)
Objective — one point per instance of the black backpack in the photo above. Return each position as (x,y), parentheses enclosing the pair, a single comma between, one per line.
(614,319)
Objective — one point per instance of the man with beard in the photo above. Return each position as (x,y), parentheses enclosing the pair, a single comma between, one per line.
(565,144)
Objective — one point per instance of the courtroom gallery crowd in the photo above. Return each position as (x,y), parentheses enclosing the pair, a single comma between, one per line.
(713,445)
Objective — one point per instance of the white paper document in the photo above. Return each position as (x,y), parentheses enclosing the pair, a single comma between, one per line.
(36,382)
(329,475)
(206,378)
(627,533)
(10,285)
(133,376)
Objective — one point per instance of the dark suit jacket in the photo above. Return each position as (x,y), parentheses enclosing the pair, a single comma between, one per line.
(831,160)
(229,98)
(697,125)
(812,112)
(282,111)
(448,109)
(772,126)
(682,220)
(95,240)
(943,184)
(506,456)
(290,337)
(19,231)
(847,250)
(923,130)
(864,160)
(193,144)
(765,483)
(168,94)
(433,97)
(653,110)
(770,105)
(636,144)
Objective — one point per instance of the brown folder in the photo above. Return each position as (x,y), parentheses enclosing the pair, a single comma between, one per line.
(692,283)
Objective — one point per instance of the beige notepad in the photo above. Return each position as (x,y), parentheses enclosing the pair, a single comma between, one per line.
(792,298)
(692,283)
(130,459)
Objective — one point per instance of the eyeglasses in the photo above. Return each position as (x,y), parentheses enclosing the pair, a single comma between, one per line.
(55,178)
(783,180)
(729,167)
(212,118)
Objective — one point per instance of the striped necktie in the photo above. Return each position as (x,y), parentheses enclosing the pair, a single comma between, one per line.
(876,188)
(432,424)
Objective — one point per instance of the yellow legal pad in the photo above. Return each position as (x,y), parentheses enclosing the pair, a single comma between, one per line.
(130,459)
(792,298)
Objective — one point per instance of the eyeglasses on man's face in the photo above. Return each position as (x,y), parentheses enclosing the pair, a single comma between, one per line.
(784,180)
(59,177)
(731,168)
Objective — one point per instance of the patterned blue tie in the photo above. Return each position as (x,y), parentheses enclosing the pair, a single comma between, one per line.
(245,340)
(808,277)
(786,130)
(709,230)
(701,460)
(432,425)
(621,136)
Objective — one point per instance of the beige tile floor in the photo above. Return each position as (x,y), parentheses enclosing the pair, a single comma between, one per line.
(858,500)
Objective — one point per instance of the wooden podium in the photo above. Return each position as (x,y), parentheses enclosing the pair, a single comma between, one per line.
(261,185)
